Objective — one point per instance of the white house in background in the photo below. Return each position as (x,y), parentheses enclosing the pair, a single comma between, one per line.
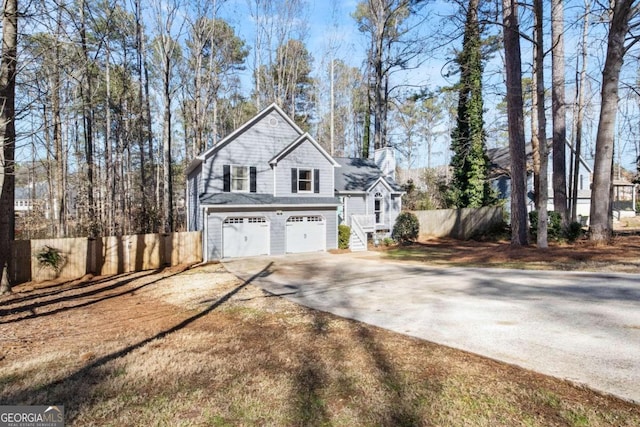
(624,192)
(269,188)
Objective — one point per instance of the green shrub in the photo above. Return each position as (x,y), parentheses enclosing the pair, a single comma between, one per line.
(344,232)
(388,241)
(573,231)
(554,221)
(406,228)
(52,258)
(555,230)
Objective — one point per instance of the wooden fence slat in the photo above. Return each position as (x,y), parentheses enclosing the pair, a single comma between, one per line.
(105,255)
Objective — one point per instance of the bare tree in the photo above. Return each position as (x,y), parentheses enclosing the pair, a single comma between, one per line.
(559,111)
(577,152)
(622,11)
(7,137)
(167,52)
(393,46)
(538,131)
(515,114)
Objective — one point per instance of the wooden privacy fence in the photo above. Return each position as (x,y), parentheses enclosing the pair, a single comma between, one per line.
(458,223)
(105,255)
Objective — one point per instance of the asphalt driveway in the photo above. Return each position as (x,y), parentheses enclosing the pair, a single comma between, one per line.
(583,327)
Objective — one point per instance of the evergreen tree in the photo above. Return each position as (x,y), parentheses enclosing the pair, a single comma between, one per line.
(469,187)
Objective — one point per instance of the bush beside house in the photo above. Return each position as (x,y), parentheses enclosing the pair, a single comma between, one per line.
(406,228)
(344,232)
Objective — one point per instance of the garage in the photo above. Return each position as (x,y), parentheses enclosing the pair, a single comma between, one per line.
(305,234)
(245,236)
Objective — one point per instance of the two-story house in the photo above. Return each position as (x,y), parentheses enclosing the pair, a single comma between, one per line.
(269,188)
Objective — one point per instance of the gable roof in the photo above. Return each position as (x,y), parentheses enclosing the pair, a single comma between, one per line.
(360,175)
(233,135)
(305,137)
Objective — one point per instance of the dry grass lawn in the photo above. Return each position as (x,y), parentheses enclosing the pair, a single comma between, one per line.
(622,255)
(196,347)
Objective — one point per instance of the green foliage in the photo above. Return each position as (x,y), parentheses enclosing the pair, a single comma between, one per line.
(433,197)
(470,187)
(50,257)
(388,241)
(406,228)
(344,231)
(555,230)
(573,231)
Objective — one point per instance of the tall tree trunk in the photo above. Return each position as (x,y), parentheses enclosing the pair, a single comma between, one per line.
(167,200)
(558,108)
(378,93)
(154,185)
(58,150)
(109,166)
(542,189)
(140,130)
(580,113)
(366,136)
(7,139)
(601,221)
(87,111)
(515,114)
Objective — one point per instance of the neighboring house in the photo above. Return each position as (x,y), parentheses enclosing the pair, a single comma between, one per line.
(499,174)
(268,189)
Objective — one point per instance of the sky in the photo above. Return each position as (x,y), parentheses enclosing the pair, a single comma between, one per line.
(330,24)
(331,21)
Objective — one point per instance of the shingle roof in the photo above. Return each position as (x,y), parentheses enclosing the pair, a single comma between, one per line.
(255,199)
(359,175)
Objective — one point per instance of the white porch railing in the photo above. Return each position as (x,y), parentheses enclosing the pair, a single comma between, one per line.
(358,238)
(366,222)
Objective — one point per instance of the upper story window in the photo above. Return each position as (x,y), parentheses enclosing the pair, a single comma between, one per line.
(305,180)
(240,178)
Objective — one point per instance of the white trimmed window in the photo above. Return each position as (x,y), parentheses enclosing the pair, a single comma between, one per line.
(305,180)
(377,207)
(240,179)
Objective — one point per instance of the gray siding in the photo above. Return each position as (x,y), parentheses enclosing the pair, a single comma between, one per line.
(396,208)
(254,147)
(277,224)
(194,183)
(356,205)
(390,205)
(304,156)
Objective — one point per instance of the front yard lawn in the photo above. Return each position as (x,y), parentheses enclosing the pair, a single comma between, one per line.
(622,256)
(196,347)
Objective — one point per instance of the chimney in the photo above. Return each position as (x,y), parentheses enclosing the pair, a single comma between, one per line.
(385,159)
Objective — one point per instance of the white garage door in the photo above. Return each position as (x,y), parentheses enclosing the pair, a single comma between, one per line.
(245,236)
(305,234)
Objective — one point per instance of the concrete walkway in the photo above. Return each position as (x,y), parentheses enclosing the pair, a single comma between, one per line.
(583,327)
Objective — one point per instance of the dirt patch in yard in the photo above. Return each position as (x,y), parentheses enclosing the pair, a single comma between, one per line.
(196,346)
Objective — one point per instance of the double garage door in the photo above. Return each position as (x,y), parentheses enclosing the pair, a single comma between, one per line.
(251,236)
